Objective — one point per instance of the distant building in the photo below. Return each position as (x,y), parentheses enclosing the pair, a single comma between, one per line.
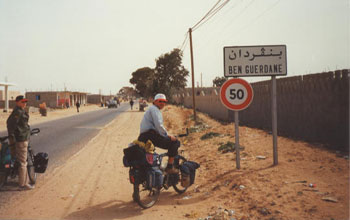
(56,99)
(98,99)
(11,98)
(11,94)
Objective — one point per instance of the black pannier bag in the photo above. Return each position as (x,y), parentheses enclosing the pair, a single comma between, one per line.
(188,168)
(41,161)
(134,156)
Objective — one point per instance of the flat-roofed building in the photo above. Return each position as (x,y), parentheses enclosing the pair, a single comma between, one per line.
(56,99)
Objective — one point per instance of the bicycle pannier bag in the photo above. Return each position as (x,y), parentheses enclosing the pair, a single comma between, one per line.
(154,177)
(41,161)
(189,168)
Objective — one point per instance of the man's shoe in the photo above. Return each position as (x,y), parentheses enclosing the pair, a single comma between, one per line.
(170,169)
(27,187)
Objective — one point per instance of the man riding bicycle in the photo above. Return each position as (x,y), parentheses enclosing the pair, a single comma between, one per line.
(152,129)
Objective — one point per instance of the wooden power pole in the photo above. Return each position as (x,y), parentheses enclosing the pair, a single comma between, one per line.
(192,69)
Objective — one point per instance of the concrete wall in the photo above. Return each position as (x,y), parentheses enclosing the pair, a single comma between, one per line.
(12,104)
(312,107)
(11,95)
(97,99)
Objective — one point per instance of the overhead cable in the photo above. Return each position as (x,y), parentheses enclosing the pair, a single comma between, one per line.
(184,43)
(194,26)
(212,14)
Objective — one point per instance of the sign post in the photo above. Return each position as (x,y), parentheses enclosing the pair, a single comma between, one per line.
(267,60)
(274,119)
(236,94)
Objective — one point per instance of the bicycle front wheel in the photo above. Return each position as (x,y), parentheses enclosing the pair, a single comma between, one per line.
(30,168)
(177,184)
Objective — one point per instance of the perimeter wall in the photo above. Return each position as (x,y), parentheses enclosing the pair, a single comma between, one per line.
(312,107)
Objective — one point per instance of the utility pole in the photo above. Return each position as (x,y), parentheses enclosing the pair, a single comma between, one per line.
(192,69)
(201,80)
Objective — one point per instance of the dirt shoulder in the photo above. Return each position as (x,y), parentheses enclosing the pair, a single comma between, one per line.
(93,184)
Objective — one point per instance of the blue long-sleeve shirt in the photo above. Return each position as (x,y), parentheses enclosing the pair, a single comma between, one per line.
(153,119)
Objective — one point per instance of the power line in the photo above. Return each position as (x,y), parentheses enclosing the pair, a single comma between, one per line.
(239,14)
(211,15)
(215,9)
(194,26)
(256,18)
(221,30)
(184,43)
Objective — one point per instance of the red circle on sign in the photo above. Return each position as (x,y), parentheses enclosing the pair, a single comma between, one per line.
(242,82)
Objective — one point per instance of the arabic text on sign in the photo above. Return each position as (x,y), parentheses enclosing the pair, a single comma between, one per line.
(233,55)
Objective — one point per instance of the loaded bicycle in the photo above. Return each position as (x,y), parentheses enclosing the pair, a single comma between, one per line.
(36,163)
(148,175)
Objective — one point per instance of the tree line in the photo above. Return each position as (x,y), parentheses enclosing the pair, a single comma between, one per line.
(168,76)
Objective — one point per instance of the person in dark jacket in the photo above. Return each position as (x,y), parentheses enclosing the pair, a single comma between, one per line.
(19,132)
(77,105)
(131,103)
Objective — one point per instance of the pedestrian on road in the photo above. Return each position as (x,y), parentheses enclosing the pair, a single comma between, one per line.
(78,106)
(18,134)
(131,103)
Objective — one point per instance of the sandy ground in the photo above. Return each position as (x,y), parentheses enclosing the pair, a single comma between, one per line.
(93,184)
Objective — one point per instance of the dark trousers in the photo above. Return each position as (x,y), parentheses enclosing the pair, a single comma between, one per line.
(161,142)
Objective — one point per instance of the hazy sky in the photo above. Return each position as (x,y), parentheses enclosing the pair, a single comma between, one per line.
(88,45)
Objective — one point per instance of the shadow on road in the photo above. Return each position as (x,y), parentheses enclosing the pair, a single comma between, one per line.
(118,209)
(114,209)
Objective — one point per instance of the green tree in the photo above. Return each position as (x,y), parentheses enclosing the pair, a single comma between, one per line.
(126,92)
(218,81)
(142,79)
(169,73)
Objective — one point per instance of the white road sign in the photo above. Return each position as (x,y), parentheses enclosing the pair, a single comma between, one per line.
(265,60)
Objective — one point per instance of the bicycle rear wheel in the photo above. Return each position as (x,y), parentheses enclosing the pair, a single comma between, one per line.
(145,197)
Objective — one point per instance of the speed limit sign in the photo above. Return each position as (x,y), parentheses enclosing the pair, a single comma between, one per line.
(236,94)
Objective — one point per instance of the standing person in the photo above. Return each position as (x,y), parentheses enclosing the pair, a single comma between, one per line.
(19,132)
(131,103)
(77,105)
(152,128)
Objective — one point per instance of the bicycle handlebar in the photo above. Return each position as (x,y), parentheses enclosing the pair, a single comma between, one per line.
(34,131)
(2,139)
(183,135)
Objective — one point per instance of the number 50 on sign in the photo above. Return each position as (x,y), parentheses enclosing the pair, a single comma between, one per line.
(236,94)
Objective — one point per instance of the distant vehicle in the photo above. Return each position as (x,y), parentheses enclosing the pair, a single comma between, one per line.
(112,104)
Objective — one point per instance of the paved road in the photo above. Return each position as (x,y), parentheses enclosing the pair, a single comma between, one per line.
(64,137)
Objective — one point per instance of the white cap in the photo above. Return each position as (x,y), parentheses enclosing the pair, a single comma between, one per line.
(161,97)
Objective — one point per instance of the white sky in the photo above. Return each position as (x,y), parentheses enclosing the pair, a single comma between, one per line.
(88,45)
